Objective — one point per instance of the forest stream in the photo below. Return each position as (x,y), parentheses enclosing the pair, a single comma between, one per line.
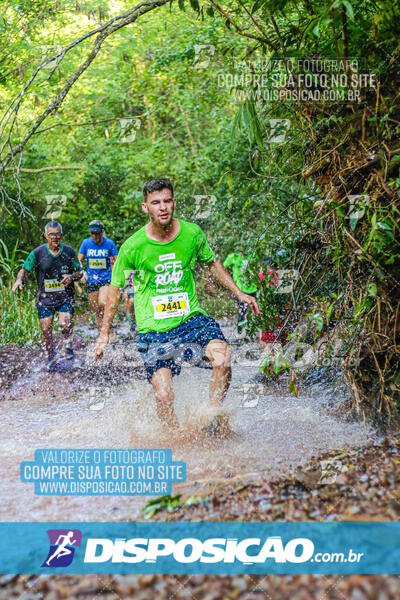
(110,405)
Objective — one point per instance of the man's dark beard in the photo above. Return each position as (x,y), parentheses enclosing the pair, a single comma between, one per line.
(166,225)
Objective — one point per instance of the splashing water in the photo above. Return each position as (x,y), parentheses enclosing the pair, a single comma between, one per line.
(272,432)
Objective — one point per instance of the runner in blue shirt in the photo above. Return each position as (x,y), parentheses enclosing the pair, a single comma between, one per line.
(100,253)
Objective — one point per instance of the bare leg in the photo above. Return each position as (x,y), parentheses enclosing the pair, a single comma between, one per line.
(162,386)
(126,304)
(101,303)
(65,323)
(102,298)
(131,307)
(220,356)
(46,325)
(98,310)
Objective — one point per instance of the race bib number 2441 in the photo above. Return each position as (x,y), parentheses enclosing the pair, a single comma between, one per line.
(170,305)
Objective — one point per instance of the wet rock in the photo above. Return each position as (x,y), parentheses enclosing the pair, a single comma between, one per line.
(7,579)
(354,510)
(264,505)
(331,517)
(309,478)
(357,594)
(379,441)
(146,580)
(341,479)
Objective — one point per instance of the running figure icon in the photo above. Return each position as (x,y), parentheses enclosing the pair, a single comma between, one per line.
(62,549)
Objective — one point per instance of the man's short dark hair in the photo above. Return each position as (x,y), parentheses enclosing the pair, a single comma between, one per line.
(156,185)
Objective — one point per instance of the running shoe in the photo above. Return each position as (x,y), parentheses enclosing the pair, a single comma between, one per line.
(69,353)
(51,360)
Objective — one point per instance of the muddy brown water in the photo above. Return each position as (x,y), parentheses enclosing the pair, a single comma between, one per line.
(272,431)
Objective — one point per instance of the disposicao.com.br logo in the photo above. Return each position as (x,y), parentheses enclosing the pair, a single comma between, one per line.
(62,547)
(212,550)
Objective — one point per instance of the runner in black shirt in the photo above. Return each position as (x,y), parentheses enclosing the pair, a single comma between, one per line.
(57,267)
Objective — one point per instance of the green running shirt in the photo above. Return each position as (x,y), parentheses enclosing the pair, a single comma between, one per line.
(239,265)
(165,293)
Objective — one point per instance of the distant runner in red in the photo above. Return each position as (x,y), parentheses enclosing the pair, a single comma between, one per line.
(267,337)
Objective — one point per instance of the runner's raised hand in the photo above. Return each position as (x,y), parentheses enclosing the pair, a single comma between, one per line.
(67,279)
(251,301)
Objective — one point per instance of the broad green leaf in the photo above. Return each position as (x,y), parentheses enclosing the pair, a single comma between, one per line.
(340,211)
(317,318)
(349,9)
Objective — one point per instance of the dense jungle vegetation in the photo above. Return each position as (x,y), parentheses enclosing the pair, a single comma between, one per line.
(227,99)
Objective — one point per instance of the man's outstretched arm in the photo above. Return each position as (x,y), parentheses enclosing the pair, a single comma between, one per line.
(110,309)
(19,282)
(222,275)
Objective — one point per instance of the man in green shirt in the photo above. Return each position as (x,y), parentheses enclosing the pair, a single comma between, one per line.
(56,267)
(239,264)
(171,324)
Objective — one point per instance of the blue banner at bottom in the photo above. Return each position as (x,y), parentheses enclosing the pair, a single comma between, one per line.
(222,548)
